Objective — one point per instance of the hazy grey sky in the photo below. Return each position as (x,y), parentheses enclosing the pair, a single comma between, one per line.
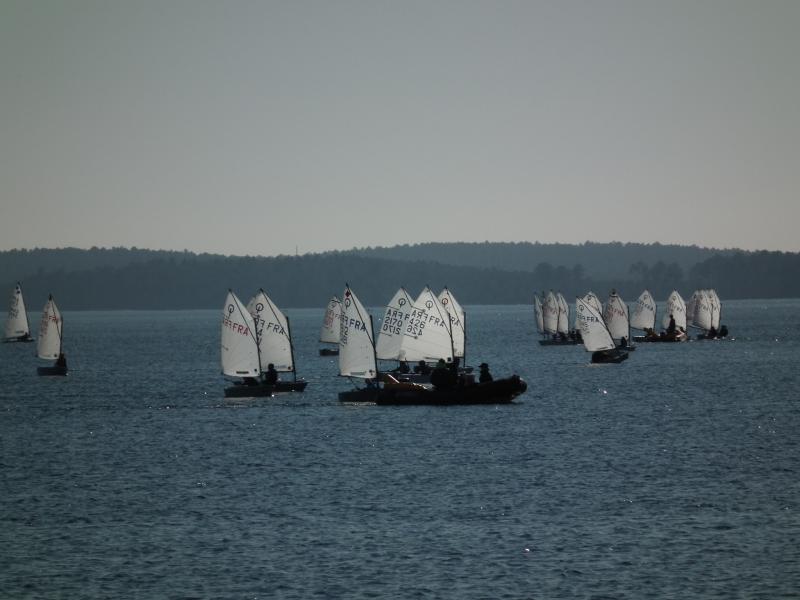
(255,127)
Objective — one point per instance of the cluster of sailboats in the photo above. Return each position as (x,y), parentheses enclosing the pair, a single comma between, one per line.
(50,341)
(605,330)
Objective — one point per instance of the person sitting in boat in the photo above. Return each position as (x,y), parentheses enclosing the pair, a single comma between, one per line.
(712,333)
(485,376)
(422,368)
(671,326)
(650,334)
(61,361)
(723,331)
(271,376)
(403,367)
(623,342)
(442,376)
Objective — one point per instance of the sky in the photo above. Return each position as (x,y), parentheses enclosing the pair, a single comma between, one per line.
(263,128)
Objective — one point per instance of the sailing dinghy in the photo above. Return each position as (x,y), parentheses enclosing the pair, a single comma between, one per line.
(555,320)
(49,346)
(329,332)
(17,326)
(596,337)
(616,314)
(644,316)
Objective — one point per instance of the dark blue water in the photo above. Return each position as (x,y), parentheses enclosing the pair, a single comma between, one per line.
(674,475)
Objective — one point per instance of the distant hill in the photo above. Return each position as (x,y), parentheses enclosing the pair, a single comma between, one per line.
(600,260)
(120,278)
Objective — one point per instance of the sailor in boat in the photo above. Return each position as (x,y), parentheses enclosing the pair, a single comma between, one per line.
(271,375)
(712,333)
(671,326)
(650,334)
(723,331)
(422,367)
(61,361)
(623,342)
(485,376)
(403,367)
(443,378)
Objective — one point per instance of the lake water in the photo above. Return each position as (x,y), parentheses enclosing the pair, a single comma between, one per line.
(673,475)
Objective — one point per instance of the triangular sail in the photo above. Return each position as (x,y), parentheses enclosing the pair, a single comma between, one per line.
(356,340)
(272,333)
(48,345)
(615,314)
(550,313)
(701,317)
(592,299)
(329,332)
(716,309)
(563,314)
(537,311)
(677,308)
(427,335)
(17,321)
(593,330)
(458,321)
(644,312)
(394,322)
(238,345)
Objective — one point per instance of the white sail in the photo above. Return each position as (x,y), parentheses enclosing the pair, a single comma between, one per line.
(676,307)
(427,335)
(563,314)
(644,312)
(458,321)
(329,332)
(394,322)
(594,301)
(593,330)
(701,317)
(356,339)
(272,333)
(50,329)
(537,311)
(550,313)
(238,345)
(17,321)
(615,314)
(716,308)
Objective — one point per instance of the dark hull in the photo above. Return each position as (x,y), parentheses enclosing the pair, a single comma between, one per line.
(501,391)
(609,356)
(52,371)
(329,352)
(264,390)
(645,340)
(22,339)
(567,342)
(423,377)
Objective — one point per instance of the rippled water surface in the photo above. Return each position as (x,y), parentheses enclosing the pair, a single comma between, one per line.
(673,475)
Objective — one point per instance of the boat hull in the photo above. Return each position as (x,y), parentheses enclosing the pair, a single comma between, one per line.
(264,390)
(53,371)
(614,356)
(567,342)
(20,339)
(500,391)
(329,352)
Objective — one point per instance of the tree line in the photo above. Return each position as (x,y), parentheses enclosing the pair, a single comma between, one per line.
(183,280)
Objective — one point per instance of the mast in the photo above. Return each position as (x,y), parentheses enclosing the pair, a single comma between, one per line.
(465,339)
(291,349)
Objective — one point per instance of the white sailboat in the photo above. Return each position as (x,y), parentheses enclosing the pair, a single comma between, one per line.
(274,338)
(428,334)
(644,315)
(395,318)
(538,314)
(50,343)
(17,326)
(596,337)
(458,323)
(676,310)
(329,332)
(615,314)
(357,357)
(701,311)
(238,343)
